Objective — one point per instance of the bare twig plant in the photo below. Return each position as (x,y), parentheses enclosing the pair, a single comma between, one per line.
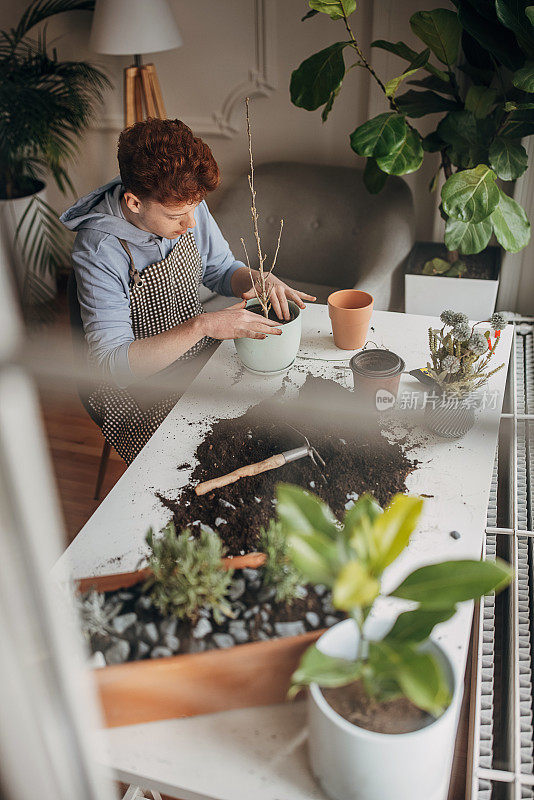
(260,286)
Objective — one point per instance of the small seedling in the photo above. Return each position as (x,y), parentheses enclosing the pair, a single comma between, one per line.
(279,570)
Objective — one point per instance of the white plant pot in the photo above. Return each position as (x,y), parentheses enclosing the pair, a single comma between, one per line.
(432,294)
(274,354)
(11,213)
(351,763)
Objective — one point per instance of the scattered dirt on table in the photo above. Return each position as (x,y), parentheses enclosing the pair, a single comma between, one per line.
(393,716)
(358,459)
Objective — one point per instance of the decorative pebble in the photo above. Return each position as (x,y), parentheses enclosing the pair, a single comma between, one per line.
(251,612)
(226,503)
(301,592)
(118,652)
(160,652)
(250,574)
(349,505)
(352,496)
(220,521)
(172,642)
(455,535)
(257,499)
(312,484)
(290,628)
(143,649)
(237,589)
(97,660)
(330,620)
(313,619)
(202,628)
(320,589)
(264,615)
(168,626)
(120,624)
(262,636)
(151,632)
(144,603)
(238,629)
(266,593)
(196,646)
(125,596)
(343,441)
(223,640)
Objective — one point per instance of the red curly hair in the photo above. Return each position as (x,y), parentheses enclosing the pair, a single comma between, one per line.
(160,159)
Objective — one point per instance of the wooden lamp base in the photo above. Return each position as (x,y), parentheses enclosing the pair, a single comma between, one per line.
(142,94)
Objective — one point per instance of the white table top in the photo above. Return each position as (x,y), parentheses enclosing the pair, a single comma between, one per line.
(456,475)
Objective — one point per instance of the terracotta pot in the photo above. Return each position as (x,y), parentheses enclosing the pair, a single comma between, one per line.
(350,312)
(246,675)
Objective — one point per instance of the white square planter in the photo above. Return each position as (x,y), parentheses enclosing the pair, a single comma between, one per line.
(432,294)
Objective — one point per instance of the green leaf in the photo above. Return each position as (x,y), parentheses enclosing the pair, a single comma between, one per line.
(491,35)
(317,667)
(358,526)
(512,14)
(432,143)
(354,587)
(519,124)
(529,11)
(467,237)
(379,136)
(309,15)
(393,84)
(524,78)
(440,29)
(507,158)
(314,556)
(436,266)
(417,104)
(300,511)
(457,270)
(317,77)
(403,51)
(480,100)
(470,195)
(433,83)
(443,585)
(423,681)
(334,8)
(407,158)
(393,528)
(330,102)
(416,626)
(511,225)
(373,177)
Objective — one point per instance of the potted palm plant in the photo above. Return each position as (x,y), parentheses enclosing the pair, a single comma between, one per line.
(384,701)
(46,105)
(475,70)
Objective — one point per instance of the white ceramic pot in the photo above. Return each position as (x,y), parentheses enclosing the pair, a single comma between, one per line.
(351,763)
(275,353)
(431,294)
(11,212)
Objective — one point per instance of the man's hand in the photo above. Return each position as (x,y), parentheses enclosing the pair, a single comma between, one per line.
(236,322)
(280,294)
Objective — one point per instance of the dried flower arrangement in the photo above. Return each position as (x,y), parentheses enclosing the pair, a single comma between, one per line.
(260,285)
(460,355)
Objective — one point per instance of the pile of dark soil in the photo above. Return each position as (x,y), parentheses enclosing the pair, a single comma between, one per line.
(138,631)
(483,266)
(394,716)
(358,459)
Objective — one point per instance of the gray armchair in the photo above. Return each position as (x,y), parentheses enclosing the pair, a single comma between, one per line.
(336,235)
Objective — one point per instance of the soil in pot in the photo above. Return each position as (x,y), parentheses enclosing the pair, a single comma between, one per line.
(272,314)
(394,716)
(138,631)
(482,266)
(359,459)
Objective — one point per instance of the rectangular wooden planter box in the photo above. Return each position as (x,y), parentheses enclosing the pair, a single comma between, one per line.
(432,294)
(246,675)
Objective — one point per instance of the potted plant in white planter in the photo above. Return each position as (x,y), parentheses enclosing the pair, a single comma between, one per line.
(460,364)
(46,104)
(476,71)
(383,703)
(272,354)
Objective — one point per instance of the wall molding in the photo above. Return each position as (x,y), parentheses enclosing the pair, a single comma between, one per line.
(260,81)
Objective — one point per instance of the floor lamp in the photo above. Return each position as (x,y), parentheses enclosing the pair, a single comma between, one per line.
(136,27)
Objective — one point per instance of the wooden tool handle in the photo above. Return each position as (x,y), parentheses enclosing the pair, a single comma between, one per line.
(243,472)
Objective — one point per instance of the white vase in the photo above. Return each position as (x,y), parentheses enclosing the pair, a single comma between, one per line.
(351,763)
(11,212)
(275,353)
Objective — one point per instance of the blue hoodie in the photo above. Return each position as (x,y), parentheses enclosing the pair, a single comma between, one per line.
(101,267)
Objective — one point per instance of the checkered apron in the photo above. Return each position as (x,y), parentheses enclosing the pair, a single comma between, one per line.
(162,296)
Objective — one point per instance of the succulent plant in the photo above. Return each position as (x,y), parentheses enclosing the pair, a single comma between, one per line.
(279,570)
(97,614)
(187,573)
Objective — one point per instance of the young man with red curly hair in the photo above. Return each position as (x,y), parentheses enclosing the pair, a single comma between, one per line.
(144,244)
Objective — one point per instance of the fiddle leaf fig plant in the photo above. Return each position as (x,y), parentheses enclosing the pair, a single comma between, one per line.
(475,69)
(350,557)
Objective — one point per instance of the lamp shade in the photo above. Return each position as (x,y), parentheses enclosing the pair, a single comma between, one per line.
(131,27)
